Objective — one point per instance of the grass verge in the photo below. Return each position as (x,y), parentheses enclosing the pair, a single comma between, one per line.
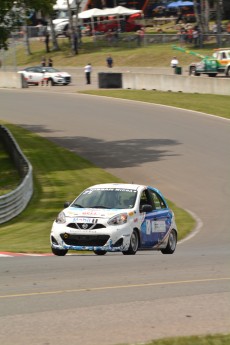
(217,339)
(59,175)
(211,104)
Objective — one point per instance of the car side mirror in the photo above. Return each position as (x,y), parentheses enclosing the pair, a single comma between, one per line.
(66,204)
(146,208)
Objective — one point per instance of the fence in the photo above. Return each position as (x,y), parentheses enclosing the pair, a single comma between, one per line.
(122,40)
(15,202)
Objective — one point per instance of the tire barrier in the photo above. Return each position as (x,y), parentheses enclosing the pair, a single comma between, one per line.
(14,202)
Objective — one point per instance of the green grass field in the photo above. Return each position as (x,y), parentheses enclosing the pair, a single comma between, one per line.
(155,55)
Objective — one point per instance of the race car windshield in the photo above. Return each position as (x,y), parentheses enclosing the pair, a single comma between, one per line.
(51,70)
(108,198)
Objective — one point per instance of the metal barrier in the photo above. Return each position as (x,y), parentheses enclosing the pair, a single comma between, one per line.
(13,203)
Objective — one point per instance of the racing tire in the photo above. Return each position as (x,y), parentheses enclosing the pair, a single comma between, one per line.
(134,244)
(100,252)
(59,252)
(171,245)
(212,74)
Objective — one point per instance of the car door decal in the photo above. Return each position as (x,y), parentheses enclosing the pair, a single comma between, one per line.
(154,228)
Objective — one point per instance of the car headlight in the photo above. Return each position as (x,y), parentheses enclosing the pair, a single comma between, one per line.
(61,219)
(118,219)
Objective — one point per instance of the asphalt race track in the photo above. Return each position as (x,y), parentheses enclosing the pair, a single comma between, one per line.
(114,299)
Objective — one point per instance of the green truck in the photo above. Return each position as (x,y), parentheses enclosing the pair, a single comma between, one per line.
(218,63)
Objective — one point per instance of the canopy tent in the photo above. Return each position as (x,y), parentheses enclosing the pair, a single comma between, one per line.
(176,4)
(94,12)
(116,11)
(120,11)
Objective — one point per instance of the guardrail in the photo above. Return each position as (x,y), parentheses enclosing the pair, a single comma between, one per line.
(13,203)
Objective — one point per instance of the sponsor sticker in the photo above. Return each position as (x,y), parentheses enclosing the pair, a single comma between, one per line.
(84,220)
(158,226)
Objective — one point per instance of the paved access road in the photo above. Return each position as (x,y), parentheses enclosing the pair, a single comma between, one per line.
(85,299)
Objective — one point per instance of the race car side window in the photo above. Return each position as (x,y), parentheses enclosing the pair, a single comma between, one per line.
(157,200)
(146,199)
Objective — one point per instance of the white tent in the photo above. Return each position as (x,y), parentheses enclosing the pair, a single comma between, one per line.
(120,11)
(116,11)
(94,12)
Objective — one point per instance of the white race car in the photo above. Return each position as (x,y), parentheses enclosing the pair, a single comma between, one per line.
(37,74)
(115,217)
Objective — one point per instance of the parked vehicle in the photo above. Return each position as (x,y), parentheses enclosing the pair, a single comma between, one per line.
(115,217)
(37,74)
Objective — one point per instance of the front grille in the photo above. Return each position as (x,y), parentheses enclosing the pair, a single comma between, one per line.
(82,226)
(85,240)
(67,79)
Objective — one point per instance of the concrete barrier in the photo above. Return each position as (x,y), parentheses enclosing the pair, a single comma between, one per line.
(109,80)
(12,80)
(176,83)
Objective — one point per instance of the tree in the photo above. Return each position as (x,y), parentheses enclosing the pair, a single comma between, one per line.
(74,37)
(15,13)
(7,21)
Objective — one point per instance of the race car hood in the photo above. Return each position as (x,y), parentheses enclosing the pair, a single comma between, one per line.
(74,212)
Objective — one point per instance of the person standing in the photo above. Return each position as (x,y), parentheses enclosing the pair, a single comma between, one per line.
(174,62)
(88,70)
(109,61)
(50,62)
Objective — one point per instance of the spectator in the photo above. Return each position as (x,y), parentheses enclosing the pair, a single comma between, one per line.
(174,62)
(50,62)
(140,36)
(190,35)
(195,35)
(109,61)
(88,70)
